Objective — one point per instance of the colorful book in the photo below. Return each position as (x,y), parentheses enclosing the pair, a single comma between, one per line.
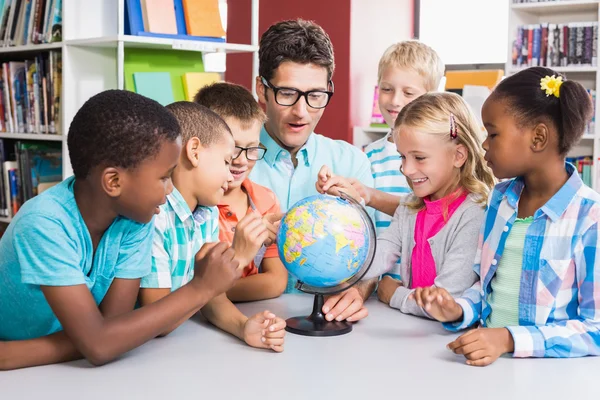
(194,81)
(203,18)
(154,85)
(159,16)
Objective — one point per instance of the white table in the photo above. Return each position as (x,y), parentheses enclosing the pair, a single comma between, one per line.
(388,355)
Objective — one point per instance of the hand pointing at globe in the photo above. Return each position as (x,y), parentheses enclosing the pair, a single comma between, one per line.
(328,182)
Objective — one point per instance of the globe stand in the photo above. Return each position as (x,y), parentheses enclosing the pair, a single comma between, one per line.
(316,324)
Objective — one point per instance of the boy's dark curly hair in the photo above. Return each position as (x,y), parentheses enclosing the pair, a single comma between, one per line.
(118,128)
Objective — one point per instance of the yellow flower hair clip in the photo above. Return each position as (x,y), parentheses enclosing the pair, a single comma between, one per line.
(551,85)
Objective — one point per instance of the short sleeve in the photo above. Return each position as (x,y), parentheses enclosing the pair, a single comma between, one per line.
(46,252)
(160,259)
(135,252)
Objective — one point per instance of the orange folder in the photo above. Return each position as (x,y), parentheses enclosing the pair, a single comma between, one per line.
(203,18)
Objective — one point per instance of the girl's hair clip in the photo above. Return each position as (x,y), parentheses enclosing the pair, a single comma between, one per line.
(453,127)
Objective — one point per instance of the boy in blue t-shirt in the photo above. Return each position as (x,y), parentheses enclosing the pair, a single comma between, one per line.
(73,256)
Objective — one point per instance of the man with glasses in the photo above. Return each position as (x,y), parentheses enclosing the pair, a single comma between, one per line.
(295,85)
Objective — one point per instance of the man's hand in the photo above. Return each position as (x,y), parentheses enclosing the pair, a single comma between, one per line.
(272,222)
(438,303)
(266,331)
(386,289)
(250,234)
(347,305)
(483,346)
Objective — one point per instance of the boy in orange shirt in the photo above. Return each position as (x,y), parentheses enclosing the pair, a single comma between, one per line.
(241,112)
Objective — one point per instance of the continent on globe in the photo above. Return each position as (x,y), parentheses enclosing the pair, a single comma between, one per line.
(323,240)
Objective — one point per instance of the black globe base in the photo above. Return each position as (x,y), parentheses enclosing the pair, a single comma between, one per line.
(315,324)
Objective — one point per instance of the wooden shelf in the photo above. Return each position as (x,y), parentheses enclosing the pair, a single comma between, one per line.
(556,7)
(144,42)
(32,136)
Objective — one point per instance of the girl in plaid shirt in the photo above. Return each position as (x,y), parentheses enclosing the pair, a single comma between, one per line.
(538,291)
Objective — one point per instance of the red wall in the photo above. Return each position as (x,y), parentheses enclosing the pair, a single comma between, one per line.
(333,16)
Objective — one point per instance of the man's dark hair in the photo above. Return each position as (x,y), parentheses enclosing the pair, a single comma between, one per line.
(118,128)
(299,41)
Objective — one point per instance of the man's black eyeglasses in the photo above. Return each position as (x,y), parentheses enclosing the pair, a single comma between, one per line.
(289,96)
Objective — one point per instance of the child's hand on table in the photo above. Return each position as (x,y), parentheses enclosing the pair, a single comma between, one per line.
(438,303)
(266,331)
(483,346)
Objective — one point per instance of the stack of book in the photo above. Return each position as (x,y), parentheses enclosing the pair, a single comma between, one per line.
(24,22)
(556,45)
(175,19)
(30,94)
(27,169)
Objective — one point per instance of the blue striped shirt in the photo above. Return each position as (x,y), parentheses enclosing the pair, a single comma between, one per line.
(385,168)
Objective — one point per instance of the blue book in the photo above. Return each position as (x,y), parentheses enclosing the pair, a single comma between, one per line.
(154,85)
(180,17)
(537,46)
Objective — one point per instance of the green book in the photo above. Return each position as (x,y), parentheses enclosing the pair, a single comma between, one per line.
(154,85)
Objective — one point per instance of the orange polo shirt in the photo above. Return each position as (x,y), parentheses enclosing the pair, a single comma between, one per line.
(261,199)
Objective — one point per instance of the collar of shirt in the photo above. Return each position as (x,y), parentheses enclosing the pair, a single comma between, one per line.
(258,201)
(557,205)
(276,152)
(201,214)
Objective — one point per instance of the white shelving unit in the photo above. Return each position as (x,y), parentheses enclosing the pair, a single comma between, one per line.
(563,11)
(93,57)
(363,135)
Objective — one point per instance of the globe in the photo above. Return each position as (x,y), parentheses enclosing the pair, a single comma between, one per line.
(327,243)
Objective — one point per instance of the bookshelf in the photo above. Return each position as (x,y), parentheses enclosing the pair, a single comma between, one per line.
(94,50)
(363,135)
(583,12)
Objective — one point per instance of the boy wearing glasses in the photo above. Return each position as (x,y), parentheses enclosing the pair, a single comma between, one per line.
(295,85)
(241,112)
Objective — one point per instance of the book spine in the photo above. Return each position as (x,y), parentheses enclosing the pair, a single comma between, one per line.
(544,49)
(530,45)
(578,44)
(536,47)
(572,43)
(587,44)
(14,190)
(594,44)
